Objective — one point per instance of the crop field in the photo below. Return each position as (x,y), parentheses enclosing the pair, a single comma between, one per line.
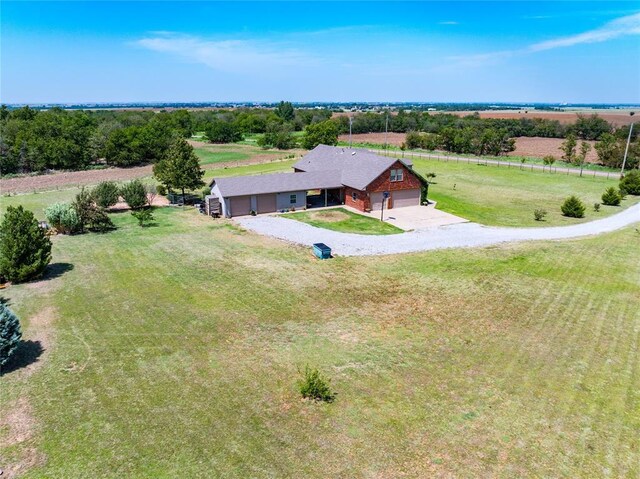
(174,350)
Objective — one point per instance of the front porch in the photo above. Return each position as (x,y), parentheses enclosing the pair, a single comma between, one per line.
(323,198)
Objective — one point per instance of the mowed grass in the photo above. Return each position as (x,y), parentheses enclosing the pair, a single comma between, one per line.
(340,219)
(173,351)
(503,196)
(207,157)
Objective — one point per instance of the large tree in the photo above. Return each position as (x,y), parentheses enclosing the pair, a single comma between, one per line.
(285,111)
(25,250)
(180,169)
(220,131)
(323,133)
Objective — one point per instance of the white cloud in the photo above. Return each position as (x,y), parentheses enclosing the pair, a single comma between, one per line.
(449,22)
(629,25)
(232,56)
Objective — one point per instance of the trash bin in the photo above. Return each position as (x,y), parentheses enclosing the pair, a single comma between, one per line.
(321,250)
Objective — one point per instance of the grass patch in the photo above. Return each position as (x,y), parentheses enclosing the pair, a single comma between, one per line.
(341,219)
(208,157)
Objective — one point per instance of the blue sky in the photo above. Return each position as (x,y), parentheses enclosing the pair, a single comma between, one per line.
(122,51)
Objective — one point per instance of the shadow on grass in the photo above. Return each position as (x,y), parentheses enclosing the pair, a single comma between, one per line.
(56,270)
(28,353)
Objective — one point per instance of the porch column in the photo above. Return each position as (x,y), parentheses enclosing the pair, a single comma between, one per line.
(325,197)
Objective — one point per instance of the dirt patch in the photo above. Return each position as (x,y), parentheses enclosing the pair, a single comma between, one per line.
(395,139)
(330,216)
(615,117)
(540,147)
(18,426)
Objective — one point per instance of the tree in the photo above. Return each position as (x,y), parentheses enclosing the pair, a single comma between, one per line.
(582,157)
(135,194)
(278,136)
(611,197)
(10,334)
(630,183)
(92,216)
(180,169)
(143,216)
(63,217)
(549,160)
(25,250)
(591,127)
(285,111)
(568,148)
(323,133)
(573,207)
(609,151)
(220,131)
(106,194)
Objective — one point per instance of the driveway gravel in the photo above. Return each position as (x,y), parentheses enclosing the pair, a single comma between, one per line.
(465,235)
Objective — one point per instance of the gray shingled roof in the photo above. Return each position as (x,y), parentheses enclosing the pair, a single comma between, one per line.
(277,183)
(359,167)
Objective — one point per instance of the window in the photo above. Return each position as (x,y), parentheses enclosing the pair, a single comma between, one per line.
(396,175)
(354,196)
(293,199)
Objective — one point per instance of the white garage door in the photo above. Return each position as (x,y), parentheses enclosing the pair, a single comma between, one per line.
(402,198)
(376,201)
(240,205)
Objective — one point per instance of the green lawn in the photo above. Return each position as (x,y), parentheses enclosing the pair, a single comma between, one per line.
(207,157)
(340,219)
(503,196)
(173,351)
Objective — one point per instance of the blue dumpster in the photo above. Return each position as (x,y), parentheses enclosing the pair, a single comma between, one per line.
(321,250)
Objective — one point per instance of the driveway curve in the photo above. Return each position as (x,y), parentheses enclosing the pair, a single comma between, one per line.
(465,235)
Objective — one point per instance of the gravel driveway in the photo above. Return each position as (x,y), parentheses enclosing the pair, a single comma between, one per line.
(463,235)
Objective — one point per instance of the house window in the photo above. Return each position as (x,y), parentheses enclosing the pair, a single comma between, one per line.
(293,199)
(396,175)
(354,196)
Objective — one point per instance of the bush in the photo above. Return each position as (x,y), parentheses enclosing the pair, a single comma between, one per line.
(143,216)
(573,207)
(92,216)
(161,189)
(596,207)
(10,333)
(315,386)
(25,250)
(106,194)
(539,214)
(64,218)
(134,194)
(630,183)
(611,197)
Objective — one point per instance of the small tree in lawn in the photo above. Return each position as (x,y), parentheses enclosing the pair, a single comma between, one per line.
(573,207)
(549,160)
(152,192)
(92,216)
(180,169)
(10,334)
(25,250)
(143,216)
(315,386)
(568,148)
(134,194)
(106,194)
(611,197)
(630,183)
(582,157)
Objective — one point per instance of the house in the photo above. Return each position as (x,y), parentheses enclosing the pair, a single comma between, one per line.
(326,176)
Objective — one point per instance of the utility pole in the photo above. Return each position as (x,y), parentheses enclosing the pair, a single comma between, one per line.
(350,122)
(626,150)
(386,130)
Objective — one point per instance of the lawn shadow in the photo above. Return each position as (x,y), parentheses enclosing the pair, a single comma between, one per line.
(27,353)
(56,270)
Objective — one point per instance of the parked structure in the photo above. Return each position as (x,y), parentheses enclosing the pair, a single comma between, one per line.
(326,176)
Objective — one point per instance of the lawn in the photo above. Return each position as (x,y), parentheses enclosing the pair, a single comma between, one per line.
(174,350)
(341,219)
(207,157)
(503,196)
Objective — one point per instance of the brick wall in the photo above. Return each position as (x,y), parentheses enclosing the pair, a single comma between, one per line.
(362,201)
(384,183)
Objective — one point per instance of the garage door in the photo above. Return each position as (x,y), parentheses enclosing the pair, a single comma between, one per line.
(240,205)
(266,203)
(376,200)
(402,198)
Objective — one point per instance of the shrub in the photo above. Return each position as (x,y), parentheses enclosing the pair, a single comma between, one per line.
(161,189)
(10,333)
(106,194)
(573,207)
(630,183)
(92,216)
(25,250)
(611,197)
(63,217)
(315,386)
(134,194)
(596,207)
(539,214)
(143,216)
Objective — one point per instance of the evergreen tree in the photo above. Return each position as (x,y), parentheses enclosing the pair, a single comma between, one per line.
(180,169)
(573,207)
(10,333)
(25,250)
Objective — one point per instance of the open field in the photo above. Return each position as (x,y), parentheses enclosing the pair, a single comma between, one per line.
(615,117)
(340,219)
(507,362)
